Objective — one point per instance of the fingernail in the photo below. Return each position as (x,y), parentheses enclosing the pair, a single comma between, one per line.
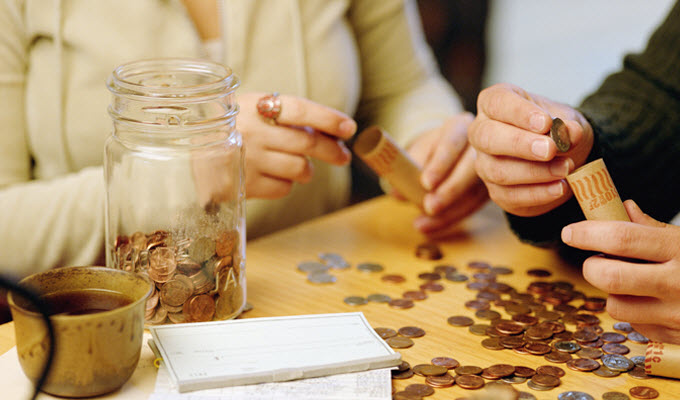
(348,127)
(426,181)
(540,148)
(537,121)
(566,234)
(556,190)
(560,169)
(430,205)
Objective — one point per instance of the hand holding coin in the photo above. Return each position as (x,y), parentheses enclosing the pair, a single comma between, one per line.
(523,154)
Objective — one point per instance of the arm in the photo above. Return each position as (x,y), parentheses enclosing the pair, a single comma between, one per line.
(404,93)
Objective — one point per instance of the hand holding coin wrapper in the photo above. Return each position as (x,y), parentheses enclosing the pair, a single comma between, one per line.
(380,152)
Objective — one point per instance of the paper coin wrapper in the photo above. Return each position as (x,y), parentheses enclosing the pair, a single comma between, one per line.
(379,151)
(663,359)
(596,194)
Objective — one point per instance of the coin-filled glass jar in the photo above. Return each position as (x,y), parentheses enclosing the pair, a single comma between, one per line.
(175,195)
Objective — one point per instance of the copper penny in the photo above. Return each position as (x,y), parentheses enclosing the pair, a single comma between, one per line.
(468,370)
(550,370)
(225,243)
(612,337)
(538,332)
(404,395)
(385,333)
(440,381)
(501,370)
(524,372)
(447,362)
(411,332)
(512,342)
(393,278)
(406,374)
(430,276)
(479,265)
(538,349)
(401,303)
(432,286)
(643,392)
(595,303)
(515,309)
(470,381)
(488,314)
(548,315)
(428,251)
(177,318)
(429,369)
(583,364)
(202,249)
(478,329)
(460,320)
(545,380)
(583,335)
(398,342)
(509,328)
(477,305)
(615,396)
(615,348)
(176,291)
(492,344)
(605,372)
(638,373)
(200,308)
(588,352)
(526,320)
(419,389)
(414,295)
(539,273)
(445,269)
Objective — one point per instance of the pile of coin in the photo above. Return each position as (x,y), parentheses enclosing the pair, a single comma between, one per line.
(196,278)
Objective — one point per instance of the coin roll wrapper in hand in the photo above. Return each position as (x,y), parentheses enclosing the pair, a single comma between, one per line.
(379,151)
(663,359)
(596,194)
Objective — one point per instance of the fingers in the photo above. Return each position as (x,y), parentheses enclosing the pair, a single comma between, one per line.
(529,200)
(306,142)
(447,151)
(512,171)
(302,112)
(636,215)
(511,105)
(659,333)
(285,166)
(643,311)
(617,276)
(624,239)
(498,138)
(266,187)
(444,224)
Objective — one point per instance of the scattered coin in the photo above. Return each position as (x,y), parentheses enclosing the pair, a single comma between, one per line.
(617,362)
(448,362)
(638,373)
(544,380)
(470,381)
(513,380)
(526,396)
(398,342)
(606,372)
(385,333)
(355,300)
(404,395)
(501,370)
(478,329)
(615,348)
(623,327)
(613,337)
(393,278)
(488,314)
(428,251)
(501,270)
(538,349)
(573,395)
(615,396)
(550,370)
(430,276)
(456,277)
(334,260)
(643,392)
(445,269)
(370,267)
(378,298)
(637,337)
(440,381)
(312,266)
(429,369)
(402,374)
(560,135)
(321,277)
(460,320)
(414,295)
(419,389)
(524,372)
(411,332)
(638,360)
(468,370)
(401,303)
(432,286)
(588,352)
(492,344)
(583,364)
(566,346)
(539,273)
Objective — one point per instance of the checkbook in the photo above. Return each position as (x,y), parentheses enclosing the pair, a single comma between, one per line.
(257,350)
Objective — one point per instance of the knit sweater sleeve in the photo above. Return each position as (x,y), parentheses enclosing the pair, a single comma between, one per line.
(635,116)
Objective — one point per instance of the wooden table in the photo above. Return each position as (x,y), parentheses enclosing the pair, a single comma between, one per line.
(380,231)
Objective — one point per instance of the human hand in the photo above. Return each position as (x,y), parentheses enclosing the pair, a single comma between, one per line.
(518,163)
(645,293)
(454,189)
(278,155)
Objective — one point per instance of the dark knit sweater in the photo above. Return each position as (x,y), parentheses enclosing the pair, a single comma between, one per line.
(635,116)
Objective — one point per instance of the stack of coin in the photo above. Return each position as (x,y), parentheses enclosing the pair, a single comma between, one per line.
(197,278)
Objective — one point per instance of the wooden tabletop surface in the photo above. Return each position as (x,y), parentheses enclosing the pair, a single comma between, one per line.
(380,231)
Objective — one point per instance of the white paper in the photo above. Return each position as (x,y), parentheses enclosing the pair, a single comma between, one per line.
(368,385)
(257,350)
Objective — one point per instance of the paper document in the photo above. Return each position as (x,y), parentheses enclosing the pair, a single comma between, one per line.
(368,385)
(258,350)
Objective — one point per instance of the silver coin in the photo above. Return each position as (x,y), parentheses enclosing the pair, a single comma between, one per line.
(457,277)
(560,135)
(637,337)
(623,327)
(378,298)
(615,396)
(321,277)
(526,396)
(514,379)
(617,363)
(312,266)
(638,360)
(370,267)
(334,260)
(573,395)
(355,300)
(532,385)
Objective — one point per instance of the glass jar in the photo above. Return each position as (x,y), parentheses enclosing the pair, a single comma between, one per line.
(175,196)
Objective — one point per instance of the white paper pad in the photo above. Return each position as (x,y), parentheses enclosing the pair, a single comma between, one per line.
(368,385)
(258,350)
